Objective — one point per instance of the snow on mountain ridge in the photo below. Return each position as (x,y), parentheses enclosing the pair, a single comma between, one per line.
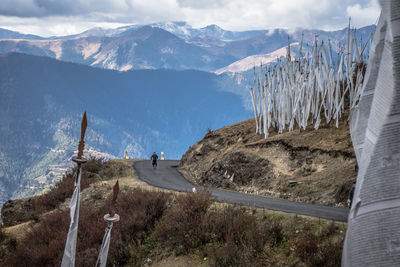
(180,28)
(254,60)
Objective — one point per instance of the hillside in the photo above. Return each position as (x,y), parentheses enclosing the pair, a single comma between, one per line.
(160,228)
(42,101)
(306,166)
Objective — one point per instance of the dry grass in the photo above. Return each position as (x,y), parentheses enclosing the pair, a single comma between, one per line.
(182,261)
(44,244)
(18,231)
(156,227)
(322,162)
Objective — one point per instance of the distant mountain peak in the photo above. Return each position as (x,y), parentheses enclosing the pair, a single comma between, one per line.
(212,26)
(179,23)
(255,60)
(171,45)
(8,34)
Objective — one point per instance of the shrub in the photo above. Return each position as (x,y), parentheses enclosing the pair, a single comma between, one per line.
(112,169)
(306,246)
(157,224)
(50,200)
(327,252)
(239,238)
(93,165)
(7,246)
(139,212)
(64,188)
(182,227)
(44,244)
(229,254)
(329,230)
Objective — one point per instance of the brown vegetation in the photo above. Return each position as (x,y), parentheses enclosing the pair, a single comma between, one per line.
(96,169)
(157,225)
(44,244)
(183,226)
(306,166)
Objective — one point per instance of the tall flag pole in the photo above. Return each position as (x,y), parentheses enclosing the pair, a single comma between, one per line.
(68,259)
(105,245)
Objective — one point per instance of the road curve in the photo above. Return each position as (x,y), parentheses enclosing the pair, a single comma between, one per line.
(166,176)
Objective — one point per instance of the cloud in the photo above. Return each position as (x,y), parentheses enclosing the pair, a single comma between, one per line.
(44,8)
(204,4)
(363,14)
(289,14)
(57,17)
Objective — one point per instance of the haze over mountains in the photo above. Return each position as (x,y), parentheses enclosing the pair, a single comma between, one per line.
(165,102)
(137,111)
(172,45)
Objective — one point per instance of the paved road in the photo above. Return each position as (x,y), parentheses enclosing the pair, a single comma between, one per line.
(166,176)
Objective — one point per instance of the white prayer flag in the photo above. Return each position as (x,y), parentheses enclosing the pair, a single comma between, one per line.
(70,246)
(105,245)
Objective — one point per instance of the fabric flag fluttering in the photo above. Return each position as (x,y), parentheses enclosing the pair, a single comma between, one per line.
(105,245)
(303,90)
(68,259)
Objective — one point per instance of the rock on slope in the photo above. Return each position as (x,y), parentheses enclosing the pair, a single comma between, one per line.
(307,166)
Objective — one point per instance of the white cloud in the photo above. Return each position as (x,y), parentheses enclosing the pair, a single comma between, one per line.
(204,4)
(50,17)
(361,15)
(322,14)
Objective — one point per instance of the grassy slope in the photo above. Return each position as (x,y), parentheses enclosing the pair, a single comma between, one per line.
(165,229)
(322,162)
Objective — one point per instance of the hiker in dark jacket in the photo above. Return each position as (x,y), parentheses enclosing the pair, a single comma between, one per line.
(351,195)
(154,159)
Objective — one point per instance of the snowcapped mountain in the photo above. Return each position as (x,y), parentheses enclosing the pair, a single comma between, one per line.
(214,31)
(256,60)
(188,33)
(145,47)
(170,45)
(178,28)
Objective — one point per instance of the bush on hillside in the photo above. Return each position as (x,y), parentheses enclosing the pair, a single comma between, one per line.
(92,171)
(7,246)
(319,249)
(183,227)
(139,210)
(239,238)
(156,224)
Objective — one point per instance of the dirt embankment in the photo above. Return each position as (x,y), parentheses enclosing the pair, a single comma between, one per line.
(314,166)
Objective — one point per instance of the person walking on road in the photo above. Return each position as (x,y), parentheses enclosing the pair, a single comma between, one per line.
(154,159)
(351,194)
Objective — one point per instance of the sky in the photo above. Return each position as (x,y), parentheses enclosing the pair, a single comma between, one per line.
(64,17)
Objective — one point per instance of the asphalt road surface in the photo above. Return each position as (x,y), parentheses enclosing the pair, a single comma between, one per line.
(166,176)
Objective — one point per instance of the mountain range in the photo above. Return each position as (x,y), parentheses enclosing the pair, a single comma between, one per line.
(145,88)
(137,111)
(172,45)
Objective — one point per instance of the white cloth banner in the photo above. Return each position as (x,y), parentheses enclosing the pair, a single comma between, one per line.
(70,246)
(373,234)
(105,245)
(102,259)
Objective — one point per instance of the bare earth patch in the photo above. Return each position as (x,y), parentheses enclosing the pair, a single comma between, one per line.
(313,166)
